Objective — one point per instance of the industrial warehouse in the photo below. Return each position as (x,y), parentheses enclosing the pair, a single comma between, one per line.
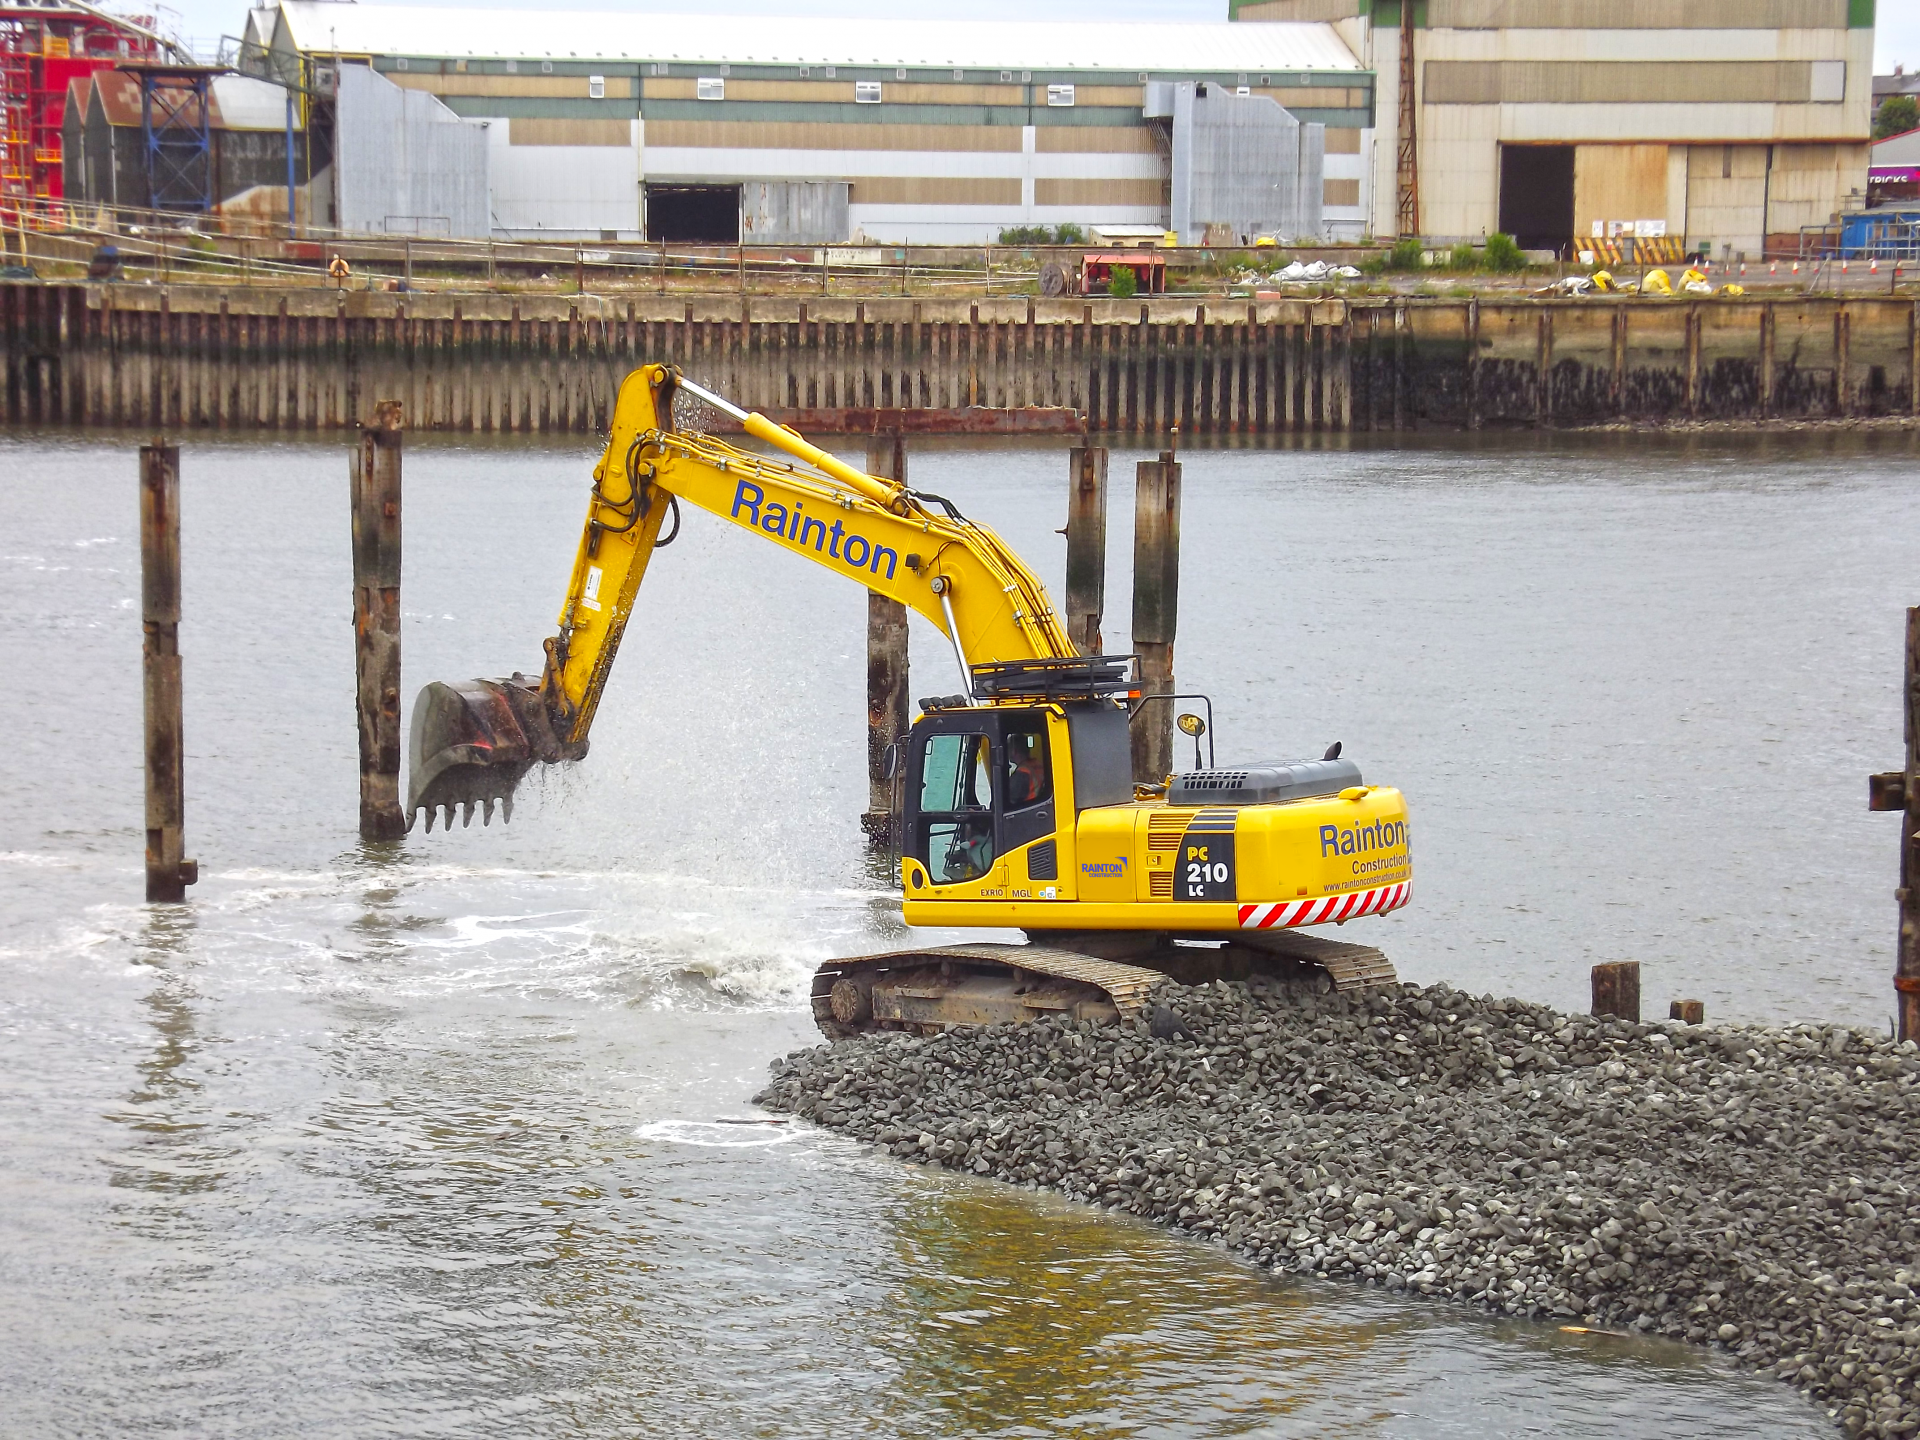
(1728,125)
(1724,125)
(1733,127)
(701,128)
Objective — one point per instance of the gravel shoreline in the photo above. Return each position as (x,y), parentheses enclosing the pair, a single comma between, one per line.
(1752,1188)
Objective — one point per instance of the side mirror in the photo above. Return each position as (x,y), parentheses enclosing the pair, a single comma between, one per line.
(1191,724)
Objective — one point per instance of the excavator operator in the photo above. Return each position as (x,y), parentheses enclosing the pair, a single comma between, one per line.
(1026,771)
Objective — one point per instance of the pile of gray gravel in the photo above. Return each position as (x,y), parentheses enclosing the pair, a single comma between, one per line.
(1752,1188)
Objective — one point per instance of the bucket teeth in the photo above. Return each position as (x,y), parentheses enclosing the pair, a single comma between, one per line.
(470,746)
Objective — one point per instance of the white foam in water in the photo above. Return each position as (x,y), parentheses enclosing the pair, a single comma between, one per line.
(718,1134)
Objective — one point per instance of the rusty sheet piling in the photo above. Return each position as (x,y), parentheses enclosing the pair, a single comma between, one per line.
(169,872)
(887,713)
(1086,592)
(1156,597)
(1900,790)
(376,620)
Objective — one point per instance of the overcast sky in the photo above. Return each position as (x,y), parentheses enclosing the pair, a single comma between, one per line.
(204,21)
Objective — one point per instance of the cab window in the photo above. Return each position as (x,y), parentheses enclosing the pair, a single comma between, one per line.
(1029,776)
(956,807)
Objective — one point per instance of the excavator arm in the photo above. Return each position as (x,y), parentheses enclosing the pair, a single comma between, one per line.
(472,742)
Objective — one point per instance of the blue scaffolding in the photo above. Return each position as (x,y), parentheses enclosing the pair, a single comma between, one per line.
(1890,233)
(176,131)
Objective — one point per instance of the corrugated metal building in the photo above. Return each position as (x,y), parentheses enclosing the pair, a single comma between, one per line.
(705,127)
(1726,122)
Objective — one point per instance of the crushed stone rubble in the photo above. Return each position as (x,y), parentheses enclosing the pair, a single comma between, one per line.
(1745,1187)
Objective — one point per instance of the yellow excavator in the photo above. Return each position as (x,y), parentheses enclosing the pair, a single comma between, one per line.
(1016,797)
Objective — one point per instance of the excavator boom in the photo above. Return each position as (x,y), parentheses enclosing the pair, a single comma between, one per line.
(472,743)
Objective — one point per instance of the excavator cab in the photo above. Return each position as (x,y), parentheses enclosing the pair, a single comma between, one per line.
(979,787)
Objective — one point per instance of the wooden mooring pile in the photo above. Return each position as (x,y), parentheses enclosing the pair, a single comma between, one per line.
(256,358)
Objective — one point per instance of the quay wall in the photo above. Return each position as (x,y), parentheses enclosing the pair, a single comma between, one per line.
(186,357)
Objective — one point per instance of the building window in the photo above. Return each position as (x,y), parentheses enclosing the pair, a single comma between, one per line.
(1006,77)
(513,67)
(1025,76)
(1266,80)
(828,72)
(1241,81)
(596,87)
(726,69)
(710,87)
(401,63)
(1059,94)
(660,67)
(866,92)
(805,71)
(546,67)
(959,74)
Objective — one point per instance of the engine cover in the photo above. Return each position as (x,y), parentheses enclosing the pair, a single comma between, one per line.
(1264,784)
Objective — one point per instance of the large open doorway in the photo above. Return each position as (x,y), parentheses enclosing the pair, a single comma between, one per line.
(1536,195)
(694,214)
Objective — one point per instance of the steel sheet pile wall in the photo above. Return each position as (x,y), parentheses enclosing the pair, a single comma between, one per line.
(311,359)
(1474,364)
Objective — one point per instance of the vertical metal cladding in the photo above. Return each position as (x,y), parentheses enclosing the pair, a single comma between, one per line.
(406,164)
(1243,161)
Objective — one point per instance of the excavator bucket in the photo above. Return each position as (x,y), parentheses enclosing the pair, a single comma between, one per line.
(468,747)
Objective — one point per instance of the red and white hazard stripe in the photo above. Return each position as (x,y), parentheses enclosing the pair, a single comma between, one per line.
(1325,909)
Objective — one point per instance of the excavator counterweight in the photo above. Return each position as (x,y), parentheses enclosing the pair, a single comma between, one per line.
(1019,809)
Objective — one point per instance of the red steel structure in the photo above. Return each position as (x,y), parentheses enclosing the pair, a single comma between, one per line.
(44,46)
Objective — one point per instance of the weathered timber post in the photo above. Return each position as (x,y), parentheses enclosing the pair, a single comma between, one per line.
(1156,595)
(1913,359)
(1688,1012)
(1086,595)
(1900,790)
(1843,361)
(1766,358)
(1473,364)
(1543,370)
(169,872)
(1616,990)
(887,717)
(1617,380)
(376,620)
(1693,328)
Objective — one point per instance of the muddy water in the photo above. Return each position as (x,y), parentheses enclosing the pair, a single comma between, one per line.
(435,1141)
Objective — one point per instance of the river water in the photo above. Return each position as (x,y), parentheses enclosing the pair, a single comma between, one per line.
(433,1141)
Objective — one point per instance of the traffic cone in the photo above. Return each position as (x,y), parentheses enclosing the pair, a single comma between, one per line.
(1873,266)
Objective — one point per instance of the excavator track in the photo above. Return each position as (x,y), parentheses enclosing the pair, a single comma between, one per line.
(942,987)
(1349,966)
(948,985)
